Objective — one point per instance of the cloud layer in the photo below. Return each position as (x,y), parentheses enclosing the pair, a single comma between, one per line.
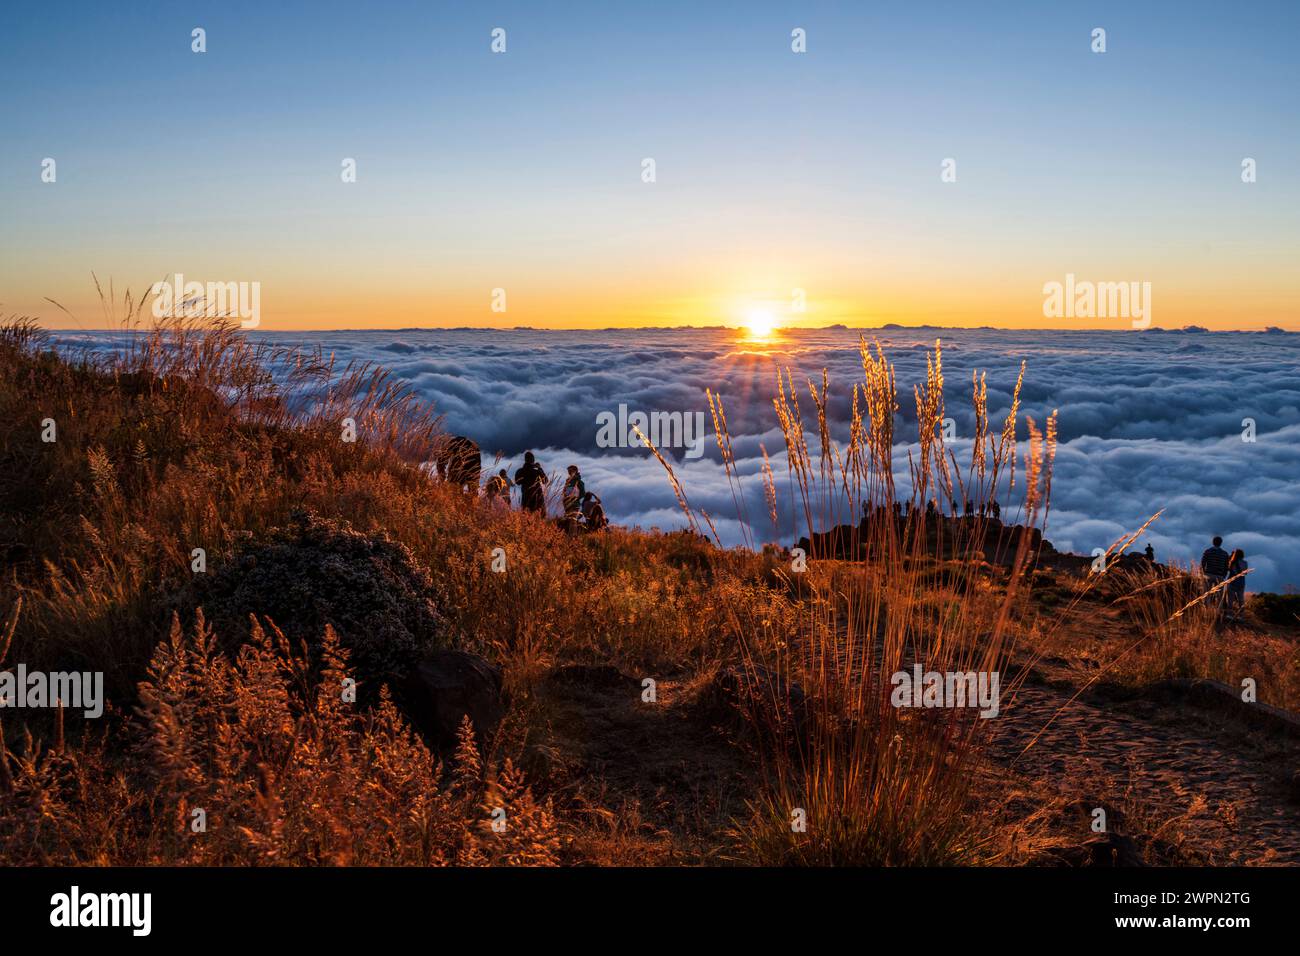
(1148,421)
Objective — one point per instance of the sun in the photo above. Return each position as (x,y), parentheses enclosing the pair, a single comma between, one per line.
(760,324)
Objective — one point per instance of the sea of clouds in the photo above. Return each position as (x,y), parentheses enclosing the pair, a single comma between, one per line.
(1147,421)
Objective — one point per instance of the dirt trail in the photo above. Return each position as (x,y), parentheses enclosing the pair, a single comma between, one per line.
(1168,755)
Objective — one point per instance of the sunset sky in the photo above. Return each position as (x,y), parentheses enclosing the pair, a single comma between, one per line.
(775,170)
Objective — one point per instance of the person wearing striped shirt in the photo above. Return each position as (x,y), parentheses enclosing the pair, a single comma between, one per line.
(1214,565)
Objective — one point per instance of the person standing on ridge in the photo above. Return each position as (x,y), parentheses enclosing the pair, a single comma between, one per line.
(1237,585)
(1214,565)
(593,512)
(532,481)
(574,489)
(498,488)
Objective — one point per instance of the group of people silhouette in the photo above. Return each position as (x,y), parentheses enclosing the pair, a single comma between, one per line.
(1217,566)
(582,509)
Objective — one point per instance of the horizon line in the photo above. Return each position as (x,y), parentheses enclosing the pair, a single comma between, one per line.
(837,326)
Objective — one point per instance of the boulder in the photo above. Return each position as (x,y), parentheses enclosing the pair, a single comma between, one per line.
(445,688)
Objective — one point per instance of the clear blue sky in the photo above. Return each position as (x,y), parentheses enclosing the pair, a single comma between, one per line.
(774,169)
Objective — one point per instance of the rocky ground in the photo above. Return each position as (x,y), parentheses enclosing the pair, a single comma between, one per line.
(1206,774)
(1186,772)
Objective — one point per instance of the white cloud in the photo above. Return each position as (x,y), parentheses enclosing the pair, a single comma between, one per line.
(1147,421)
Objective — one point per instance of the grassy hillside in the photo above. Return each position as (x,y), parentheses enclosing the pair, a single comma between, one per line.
(190,518)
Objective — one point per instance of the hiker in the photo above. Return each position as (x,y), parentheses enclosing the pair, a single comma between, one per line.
(996,509)
(498,488)
(456,461)
(570,523)
(532,481)
(1151,553)
(1237,588)
(593,512)
(970,506)
(574,489)
(1214,564)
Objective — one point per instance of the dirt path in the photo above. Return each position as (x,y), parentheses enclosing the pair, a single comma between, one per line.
(1166,756)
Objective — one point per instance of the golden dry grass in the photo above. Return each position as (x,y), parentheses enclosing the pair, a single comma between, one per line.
(191,437)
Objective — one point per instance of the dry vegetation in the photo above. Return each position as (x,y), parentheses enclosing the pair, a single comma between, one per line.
(191,437)
(1142,624)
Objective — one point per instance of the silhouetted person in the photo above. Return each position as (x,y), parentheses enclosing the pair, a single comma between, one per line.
(574,489)
(498,488)
(996,509)
(457,461)
(970,506)
(532,481)
(1151,553)
(593,512)
(1237,588)
(1214,564)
